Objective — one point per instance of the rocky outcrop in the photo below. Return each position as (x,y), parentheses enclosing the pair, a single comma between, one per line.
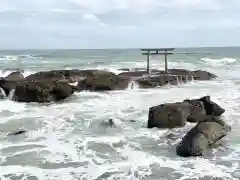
(201,137)
(170,115)
(210,107)
(15,76)
(42,91)
(92,80)
(160,78)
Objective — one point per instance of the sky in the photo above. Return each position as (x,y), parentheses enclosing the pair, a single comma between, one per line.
(118,23)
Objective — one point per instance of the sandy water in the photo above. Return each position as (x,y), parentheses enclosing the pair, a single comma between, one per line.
(70,141)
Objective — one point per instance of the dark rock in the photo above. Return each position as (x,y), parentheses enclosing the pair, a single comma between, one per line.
(211,107)
(160,78)
(170,115)
(203,75)
(201,137)
(92,80)
(15,76)
(133,74)
(7,86)
(124,69)
(42,91)
(17,133)
(108,123)
(197,110)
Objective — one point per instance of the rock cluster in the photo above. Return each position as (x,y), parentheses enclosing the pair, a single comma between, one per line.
(210,128)
(55,85)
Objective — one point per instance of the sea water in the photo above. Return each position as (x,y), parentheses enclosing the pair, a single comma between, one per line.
(68,141)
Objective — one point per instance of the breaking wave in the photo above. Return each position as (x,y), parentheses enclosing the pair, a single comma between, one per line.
(219,62)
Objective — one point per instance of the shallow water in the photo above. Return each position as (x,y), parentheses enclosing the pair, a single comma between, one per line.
(70,141)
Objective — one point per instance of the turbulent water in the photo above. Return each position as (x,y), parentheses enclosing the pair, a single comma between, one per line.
(69,141)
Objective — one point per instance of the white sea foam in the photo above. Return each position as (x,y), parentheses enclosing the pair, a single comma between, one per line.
(68,146)
(219,62)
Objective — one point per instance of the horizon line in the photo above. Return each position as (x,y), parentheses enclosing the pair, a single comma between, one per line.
(133,48)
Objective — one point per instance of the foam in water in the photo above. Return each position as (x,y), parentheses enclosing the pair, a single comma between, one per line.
(2,94)
(133,85)
(68,149)
(11,94)
(219,62)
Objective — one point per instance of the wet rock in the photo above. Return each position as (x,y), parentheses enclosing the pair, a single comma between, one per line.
(196,110)
(210,107)
(108,123)
(160,78)
(15,76)
(92,80)
(170,115)
(133,74)
(203,75)
(42,91)
(124,69)
(7,86)
(201,137)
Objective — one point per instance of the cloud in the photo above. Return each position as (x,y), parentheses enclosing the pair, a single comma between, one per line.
(114,23)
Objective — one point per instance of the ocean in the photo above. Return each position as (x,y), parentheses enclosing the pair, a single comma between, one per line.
(69,141)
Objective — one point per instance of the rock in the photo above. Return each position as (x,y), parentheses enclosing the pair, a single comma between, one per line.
(17,133)
(196,110)
(203,75)
(211,107)
(109,123)
(92,80)
(131,74)
(201,137)
(7,86)
(61,75)
(160,78)
(42,91)
(170,115)
(15,76)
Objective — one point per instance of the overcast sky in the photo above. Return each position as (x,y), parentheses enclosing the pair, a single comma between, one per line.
(118,23)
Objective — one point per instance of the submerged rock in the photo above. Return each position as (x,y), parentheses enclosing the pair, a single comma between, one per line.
(201,137)
(170,115)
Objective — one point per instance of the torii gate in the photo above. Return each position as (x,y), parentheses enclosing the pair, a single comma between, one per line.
(157,51)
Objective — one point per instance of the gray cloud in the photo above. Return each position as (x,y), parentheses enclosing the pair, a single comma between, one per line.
(114,23)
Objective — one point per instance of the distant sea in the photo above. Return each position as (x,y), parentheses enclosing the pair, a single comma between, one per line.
(69,141)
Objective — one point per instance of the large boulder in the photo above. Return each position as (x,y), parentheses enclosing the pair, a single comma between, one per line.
(15,76)
(93,80)
(170,115)
(42,91)
(201,137)
(210,107)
